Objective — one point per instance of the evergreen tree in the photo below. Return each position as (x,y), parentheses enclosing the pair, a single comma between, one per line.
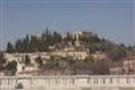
(27,60)
(10,48)
(39,61)
(18,45)
(2,61)
(11,67)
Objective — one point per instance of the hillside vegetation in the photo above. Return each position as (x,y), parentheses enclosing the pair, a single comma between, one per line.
(92,43)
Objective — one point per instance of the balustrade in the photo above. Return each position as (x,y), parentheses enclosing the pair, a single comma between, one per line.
(67,81)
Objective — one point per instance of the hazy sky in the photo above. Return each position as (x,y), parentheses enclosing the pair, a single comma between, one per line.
(113,19)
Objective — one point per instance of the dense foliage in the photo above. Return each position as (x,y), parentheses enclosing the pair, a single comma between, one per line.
(34,43)
(9,68)
(2,61)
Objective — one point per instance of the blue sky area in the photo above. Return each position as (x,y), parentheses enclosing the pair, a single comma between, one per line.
(112,19)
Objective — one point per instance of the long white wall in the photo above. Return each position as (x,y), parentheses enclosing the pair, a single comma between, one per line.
(68,81)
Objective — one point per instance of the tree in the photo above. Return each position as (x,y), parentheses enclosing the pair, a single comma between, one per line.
(10,48)
(100,68)
(11,67)
(39,61)
(68,37)
(26,43)
(27,60)
(71,63)
(89,60)
(27,39)
(116,53)
(2,61)
(34,44)
(56,37)
(18,45)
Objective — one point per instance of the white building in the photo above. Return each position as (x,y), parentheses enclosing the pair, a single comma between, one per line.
(20,58)
(99,56)
(81,55)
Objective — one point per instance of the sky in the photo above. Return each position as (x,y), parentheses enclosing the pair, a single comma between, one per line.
(112,19)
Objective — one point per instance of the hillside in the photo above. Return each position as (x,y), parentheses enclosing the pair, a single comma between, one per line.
(69,53)
(86,40)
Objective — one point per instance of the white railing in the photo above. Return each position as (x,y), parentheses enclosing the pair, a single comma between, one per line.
(69,81)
